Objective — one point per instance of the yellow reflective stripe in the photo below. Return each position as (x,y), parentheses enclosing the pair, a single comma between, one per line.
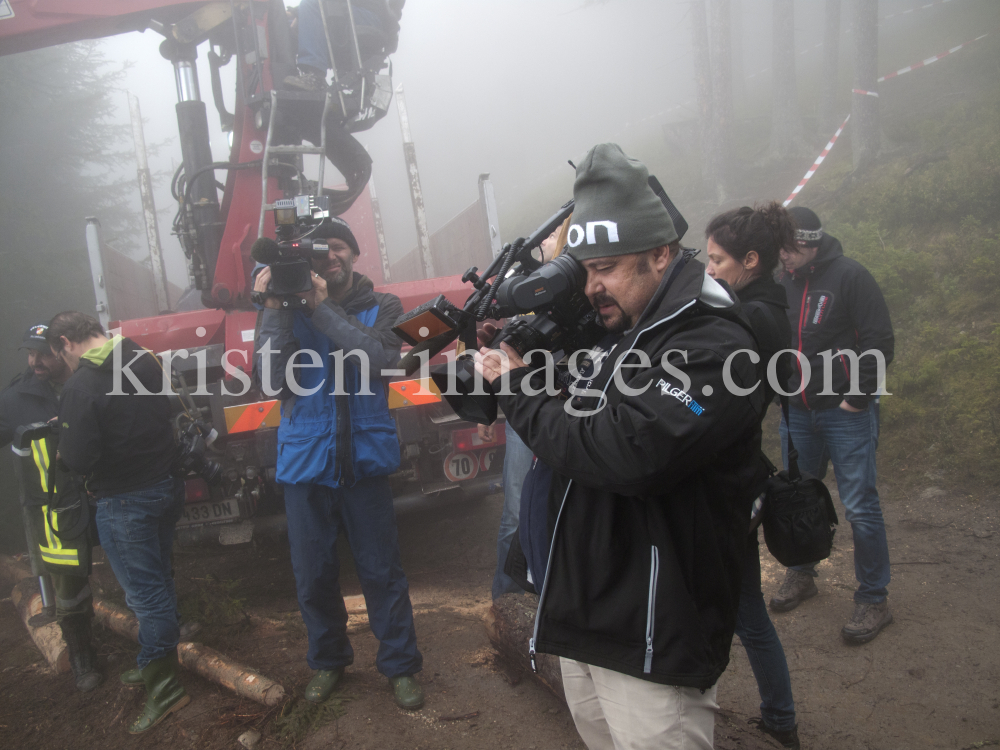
(42,462)
(61,559)
(53,540)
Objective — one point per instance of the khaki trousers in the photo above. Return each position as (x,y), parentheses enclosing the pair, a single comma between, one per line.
(613,711)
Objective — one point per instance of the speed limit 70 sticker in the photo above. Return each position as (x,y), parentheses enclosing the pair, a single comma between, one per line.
(461,466)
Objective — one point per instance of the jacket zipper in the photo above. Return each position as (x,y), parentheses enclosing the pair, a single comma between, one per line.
(654,574)
(798,361)
(545,581)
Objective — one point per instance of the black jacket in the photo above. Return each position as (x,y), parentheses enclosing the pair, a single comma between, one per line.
(25,401)
(836,306)
(766,306)
(653,493)
(120,442)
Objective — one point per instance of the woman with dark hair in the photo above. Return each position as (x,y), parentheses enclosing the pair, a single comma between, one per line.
(743,248)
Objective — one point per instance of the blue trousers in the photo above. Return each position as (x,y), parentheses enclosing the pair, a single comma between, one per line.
(759,638)
(516,462)
(850,439)
(137,533)
(316,515)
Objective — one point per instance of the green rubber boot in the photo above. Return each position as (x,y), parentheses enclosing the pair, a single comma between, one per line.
(407,692)
(132,677)
(322,685)
(164,691)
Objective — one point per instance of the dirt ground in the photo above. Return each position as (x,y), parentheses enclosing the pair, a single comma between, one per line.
(931,680)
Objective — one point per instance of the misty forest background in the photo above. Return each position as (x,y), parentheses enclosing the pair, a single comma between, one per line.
(912,188)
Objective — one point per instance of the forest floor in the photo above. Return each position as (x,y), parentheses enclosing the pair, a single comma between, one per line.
(930,680)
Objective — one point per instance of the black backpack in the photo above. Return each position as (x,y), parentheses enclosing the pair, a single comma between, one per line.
(798,515)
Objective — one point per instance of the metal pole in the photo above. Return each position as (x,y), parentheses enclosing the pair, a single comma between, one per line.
(416,194)
(379,232)
(97,270)
(148,207)
(489,203)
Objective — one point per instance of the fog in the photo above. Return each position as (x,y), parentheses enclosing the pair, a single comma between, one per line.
(513,89)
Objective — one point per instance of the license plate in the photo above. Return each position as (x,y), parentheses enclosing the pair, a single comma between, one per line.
(196,514)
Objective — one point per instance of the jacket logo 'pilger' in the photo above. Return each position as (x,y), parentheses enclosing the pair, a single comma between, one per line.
(576,233)
(666,389)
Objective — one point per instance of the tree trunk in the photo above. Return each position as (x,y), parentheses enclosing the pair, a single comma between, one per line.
(27,599)
(510,624)
(827,118)
(865,135)
(702,78)
(786,120)
(719,131)
(739,59)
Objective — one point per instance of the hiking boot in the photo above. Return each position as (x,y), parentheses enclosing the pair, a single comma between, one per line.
(867,621)
(164,693)
(797,587)
(308,79)
(131,677)
(76,632)
(322,685)
(407,692)
(785,737)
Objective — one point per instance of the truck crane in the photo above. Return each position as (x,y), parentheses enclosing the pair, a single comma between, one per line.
(268,126)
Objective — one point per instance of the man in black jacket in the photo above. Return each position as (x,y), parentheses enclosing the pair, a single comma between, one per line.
(654,460)
(842,331)
(115,429)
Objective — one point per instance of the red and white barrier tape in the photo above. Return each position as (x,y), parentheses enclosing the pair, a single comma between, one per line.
(929,60)
(815,166)
(913,10)
(865,93)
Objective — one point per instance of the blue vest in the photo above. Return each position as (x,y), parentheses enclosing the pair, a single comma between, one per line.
(329,439)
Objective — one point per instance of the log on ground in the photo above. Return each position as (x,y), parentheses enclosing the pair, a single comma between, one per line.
(200,659)
(27,600)
(510,623)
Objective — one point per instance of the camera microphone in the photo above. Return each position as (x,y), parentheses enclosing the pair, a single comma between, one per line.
(265,250)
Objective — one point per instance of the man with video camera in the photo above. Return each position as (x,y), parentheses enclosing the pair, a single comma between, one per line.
(115,430)
(654,458)
(337,445)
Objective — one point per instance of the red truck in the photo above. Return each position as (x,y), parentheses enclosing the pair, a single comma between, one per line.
(268,126)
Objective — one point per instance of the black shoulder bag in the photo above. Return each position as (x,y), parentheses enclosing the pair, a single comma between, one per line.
(798,515)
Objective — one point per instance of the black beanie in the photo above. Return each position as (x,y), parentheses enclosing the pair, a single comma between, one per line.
(616,212)
(337,229)
(808,228)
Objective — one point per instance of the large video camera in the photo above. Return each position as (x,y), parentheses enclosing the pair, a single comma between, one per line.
(289,257)
(545,306)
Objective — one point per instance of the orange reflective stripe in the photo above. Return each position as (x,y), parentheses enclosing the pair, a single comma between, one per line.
(247,417)
(413,393)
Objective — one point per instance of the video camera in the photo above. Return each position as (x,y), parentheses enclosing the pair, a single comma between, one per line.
(289,257)
(557,314)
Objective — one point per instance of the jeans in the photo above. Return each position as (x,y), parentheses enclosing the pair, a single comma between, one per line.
(759,638)
(137,533)
(516,462)
(850,438)
(312,40)
(316,515)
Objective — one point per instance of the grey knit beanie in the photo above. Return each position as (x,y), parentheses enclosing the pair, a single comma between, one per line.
(616,212)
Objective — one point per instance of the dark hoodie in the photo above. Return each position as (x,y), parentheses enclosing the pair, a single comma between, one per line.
(651,492)
(124,441)
(836,306)
(766,306)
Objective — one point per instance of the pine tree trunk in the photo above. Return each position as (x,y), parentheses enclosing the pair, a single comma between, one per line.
(719,132)
(702,78)
(827,118)
(865,135)
(786,120)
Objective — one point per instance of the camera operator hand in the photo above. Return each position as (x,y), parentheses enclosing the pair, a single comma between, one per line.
(319,292)
(260,285)
(492,363)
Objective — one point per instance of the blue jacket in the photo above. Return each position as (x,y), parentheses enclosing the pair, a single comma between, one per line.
(336,431)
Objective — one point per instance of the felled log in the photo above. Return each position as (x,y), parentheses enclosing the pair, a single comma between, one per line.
(200,659)
(510,623)
(355,605)
(27,600)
